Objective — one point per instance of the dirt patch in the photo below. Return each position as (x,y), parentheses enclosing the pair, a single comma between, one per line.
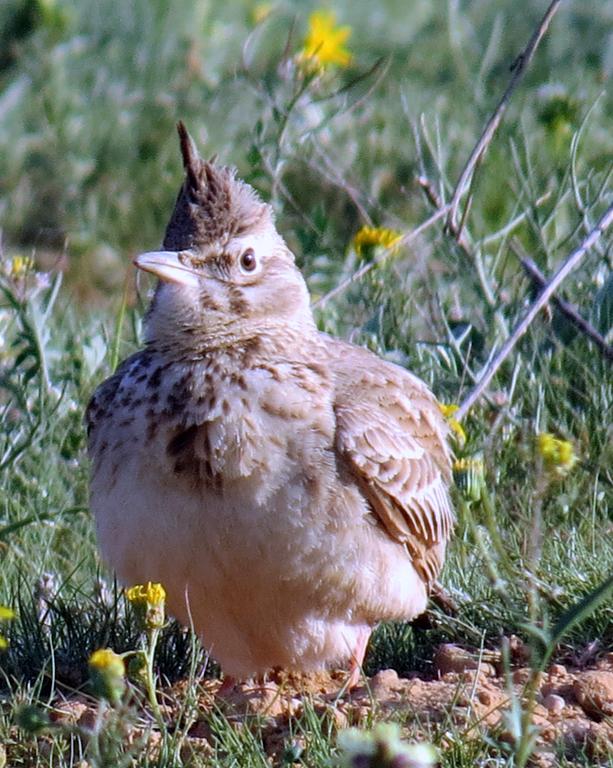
(470,697)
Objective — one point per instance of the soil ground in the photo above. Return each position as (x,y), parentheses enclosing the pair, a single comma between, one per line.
(469,697)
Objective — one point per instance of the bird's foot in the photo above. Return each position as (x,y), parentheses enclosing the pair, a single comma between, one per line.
(227,686)
(357,659)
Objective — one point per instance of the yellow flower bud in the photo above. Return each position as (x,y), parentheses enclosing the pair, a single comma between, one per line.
(372,237)
(469,476)
(148,601)
(6,613)
(448,411)
(107,674)
(20,266)
(558,455)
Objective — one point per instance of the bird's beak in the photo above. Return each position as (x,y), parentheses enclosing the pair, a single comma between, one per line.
(167,266)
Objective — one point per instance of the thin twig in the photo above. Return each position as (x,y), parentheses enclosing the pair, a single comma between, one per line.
(518,68)
(514,223)
(404,240)
(436,202)
(567,309)
(567,267)
(472,253)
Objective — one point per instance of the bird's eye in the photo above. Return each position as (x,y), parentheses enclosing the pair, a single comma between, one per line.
(248,261)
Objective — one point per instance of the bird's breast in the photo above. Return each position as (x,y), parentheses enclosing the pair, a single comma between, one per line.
(227,473)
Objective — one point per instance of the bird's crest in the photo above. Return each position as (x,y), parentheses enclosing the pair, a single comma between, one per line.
(212,205)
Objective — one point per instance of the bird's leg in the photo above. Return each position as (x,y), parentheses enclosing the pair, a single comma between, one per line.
(228,684)
(357,658)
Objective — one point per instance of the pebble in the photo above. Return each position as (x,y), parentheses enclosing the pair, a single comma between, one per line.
(451,658)
(521,676)
(557,670)
(485,697)
(384,681)
(594,692)
(554,703)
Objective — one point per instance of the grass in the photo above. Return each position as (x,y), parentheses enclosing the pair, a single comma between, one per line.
(89,94)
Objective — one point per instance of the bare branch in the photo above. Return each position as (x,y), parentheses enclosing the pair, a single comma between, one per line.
(567,267)
(450,210)
(518,68)
(567,309)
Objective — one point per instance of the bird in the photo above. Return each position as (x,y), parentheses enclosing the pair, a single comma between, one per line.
(289,489)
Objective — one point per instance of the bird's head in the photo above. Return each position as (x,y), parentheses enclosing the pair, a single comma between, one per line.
(225,273)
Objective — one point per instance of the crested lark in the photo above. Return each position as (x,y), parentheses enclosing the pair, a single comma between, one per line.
(287,488)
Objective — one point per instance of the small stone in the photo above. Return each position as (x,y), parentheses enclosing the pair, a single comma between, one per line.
(485,697)
(557,670)
(336,714)
(247,698)
(452,658)
(540,711)
(549,735)
(195,746)
(554,703)
(68,712)
(594,692)
(548,688)
(521,676)
(88,720)
(543,759)
(340,718)
(385,680)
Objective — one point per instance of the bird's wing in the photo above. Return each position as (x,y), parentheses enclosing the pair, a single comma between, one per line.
(391,434)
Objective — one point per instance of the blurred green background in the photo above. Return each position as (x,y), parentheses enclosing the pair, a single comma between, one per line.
(90,91)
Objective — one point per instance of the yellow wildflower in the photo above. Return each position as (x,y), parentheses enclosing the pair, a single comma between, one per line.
(20,266)
(6,613)
(370,237)
(148,601)
(558,455)
(469,476)
(105,659)
(448,410)
(107,674)
(324,42)
(150,592)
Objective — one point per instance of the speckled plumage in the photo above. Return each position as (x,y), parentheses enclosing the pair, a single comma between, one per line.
(287,488)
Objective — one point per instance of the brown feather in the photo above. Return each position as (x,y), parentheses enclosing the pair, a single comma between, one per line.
(393,438)
(212,206)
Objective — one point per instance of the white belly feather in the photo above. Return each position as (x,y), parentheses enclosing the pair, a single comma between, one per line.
(263,575)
